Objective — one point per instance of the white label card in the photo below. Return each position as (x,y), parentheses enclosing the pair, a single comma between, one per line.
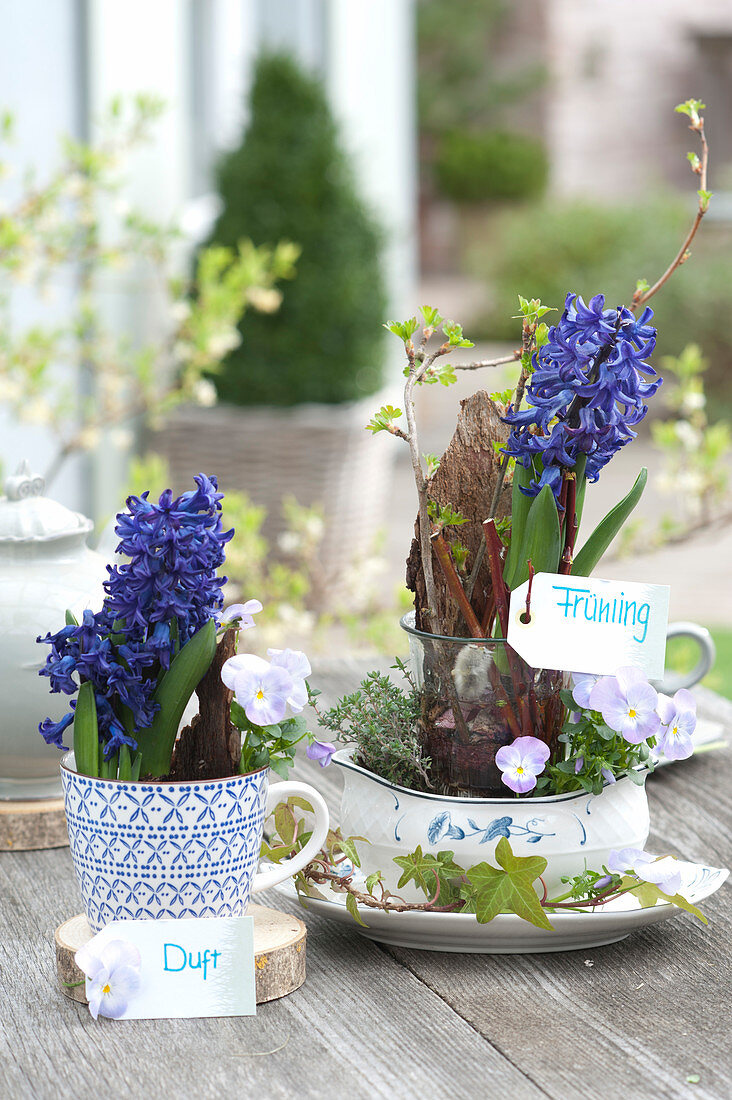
(582,624)
(188,968)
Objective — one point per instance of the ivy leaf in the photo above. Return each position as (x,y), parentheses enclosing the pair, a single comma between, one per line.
(648,894)
(427,870)
(372,880)
(285,823)
(509,889)
(352,907)
(302,803)
(417,866)
(346,845)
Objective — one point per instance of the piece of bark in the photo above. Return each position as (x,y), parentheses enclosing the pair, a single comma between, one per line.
(210,747)
(466,480)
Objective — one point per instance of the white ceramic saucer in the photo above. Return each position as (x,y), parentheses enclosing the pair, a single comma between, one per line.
(508,934)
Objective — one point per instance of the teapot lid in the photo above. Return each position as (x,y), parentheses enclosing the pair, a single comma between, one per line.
(28,516)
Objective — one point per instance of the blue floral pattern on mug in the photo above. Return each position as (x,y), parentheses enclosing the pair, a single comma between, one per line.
(442,827)
(145,850)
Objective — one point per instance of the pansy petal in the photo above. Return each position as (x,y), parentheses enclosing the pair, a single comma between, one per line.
(120,953)
(508,756)
(583,684)
(665,708)
(88,961)
(630,675)
(684,700)
(242,662)
(626,859)
(293,660)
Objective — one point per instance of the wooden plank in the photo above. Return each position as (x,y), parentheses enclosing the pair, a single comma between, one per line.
(360,1025)
(635,1018)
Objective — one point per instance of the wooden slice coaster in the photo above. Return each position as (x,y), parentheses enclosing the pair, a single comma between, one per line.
(26,826)
(279,953)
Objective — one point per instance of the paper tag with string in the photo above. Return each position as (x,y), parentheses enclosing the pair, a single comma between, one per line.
(583,624)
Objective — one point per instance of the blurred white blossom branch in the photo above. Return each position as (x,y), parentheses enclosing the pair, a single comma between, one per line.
(77,229)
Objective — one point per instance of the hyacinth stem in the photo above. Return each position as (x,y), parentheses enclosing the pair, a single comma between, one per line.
(570,521)
(444,557)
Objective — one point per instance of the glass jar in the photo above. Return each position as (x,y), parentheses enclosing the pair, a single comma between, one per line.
(477,694)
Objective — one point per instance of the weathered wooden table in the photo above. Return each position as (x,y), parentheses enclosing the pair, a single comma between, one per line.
(635,1019)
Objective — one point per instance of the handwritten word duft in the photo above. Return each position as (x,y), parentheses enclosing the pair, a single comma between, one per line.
(582,603)
(173,953)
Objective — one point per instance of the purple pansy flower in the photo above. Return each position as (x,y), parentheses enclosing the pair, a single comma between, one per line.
(322,751)
(521,762)
(661,872)
(260,688)
(298,667)
(678,722)
(627,703)
(113,976)
(582,685)
(241,614)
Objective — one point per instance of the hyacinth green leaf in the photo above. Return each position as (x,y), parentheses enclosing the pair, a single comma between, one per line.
(607,529)
(71,619)
(510,888)
(86,731)
(172,694)
(542,541)
(520,505)
(125,763)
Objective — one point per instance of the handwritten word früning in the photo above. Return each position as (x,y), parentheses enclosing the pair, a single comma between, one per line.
(582,603)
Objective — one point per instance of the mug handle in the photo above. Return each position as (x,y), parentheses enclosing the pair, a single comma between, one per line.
(278,792)
(672,681)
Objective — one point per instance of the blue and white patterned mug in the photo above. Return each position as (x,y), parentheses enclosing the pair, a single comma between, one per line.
(190,849)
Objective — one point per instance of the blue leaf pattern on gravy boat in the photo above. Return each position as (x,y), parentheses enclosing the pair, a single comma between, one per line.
(442,827)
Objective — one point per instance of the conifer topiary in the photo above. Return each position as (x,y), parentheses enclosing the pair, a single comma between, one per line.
(290,180)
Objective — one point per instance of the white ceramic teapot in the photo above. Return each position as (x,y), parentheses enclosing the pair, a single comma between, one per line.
(45,568)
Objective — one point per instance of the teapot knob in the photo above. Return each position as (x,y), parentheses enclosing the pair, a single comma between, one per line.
(23,483)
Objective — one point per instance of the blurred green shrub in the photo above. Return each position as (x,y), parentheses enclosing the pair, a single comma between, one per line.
(492,165)
(546,250)
(324,343)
